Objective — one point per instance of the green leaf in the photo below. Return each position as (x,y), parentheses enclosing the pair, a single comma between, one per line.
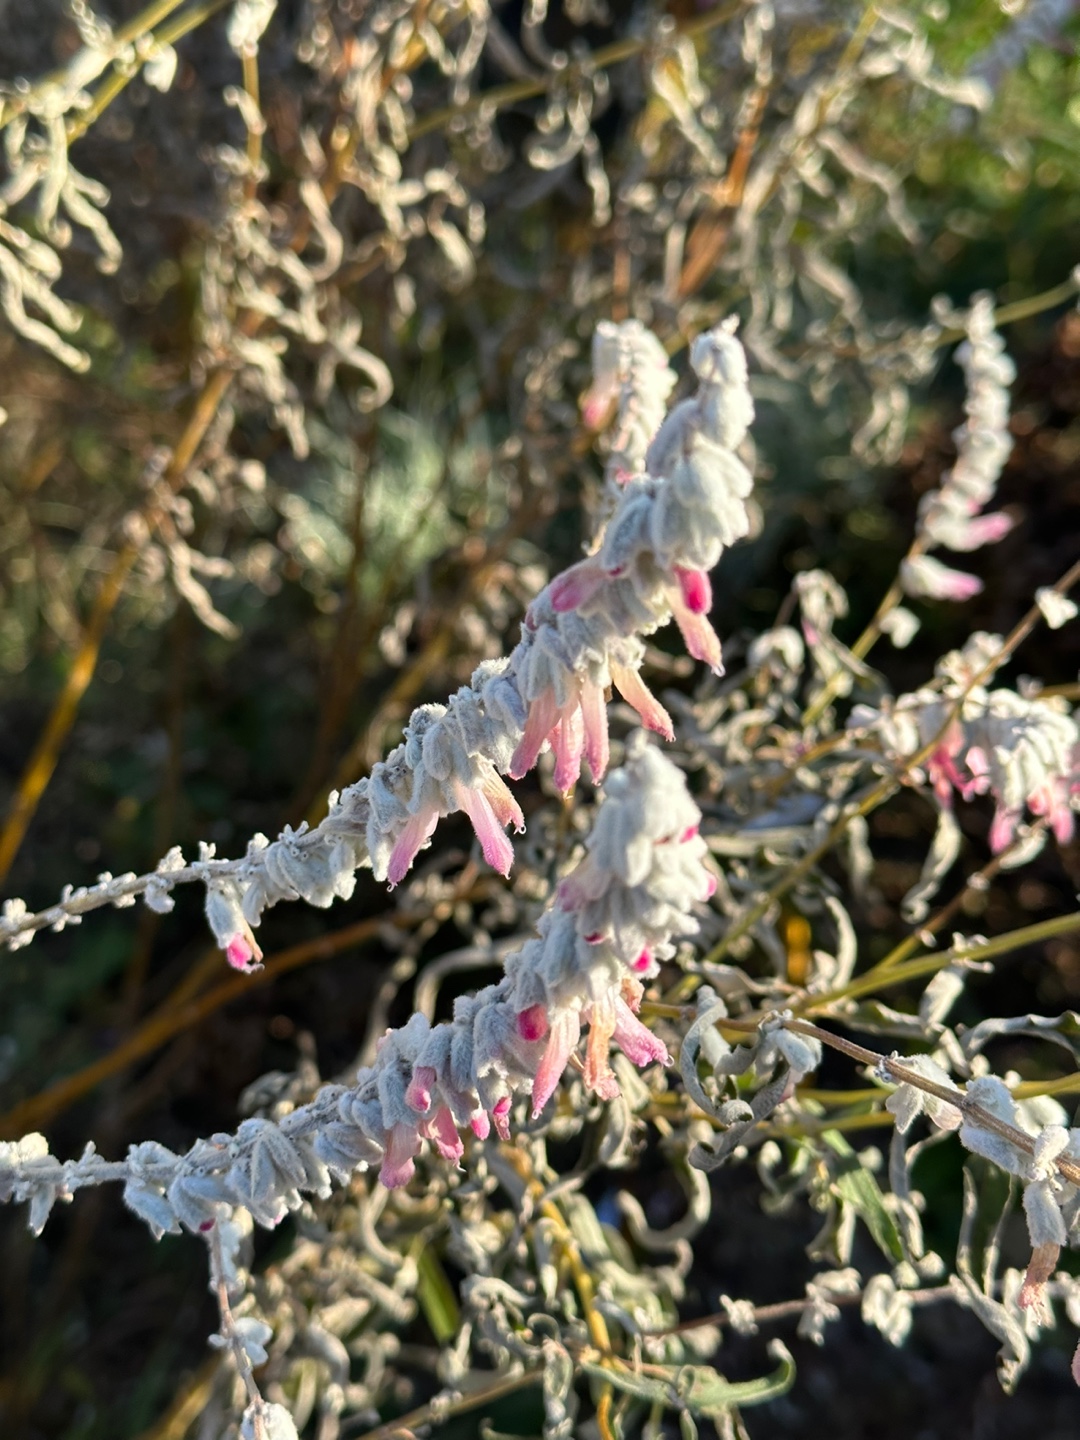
(436,1297)
(856,1187)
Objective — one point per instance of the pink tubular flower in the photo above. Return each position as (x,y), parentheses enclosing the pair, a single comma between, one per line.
(397,1168)
(944,770)
(988,529)
(441,1129)
(635,1040)
(1003,828)
(418,830)
(489,805)
(563,1036)
(637,694)
(1052,800)
(923,576)
(701,639)
(578,727)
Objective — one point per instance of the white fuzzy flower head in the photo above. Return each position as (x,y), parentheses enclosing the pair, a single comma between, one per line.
(1057,609)
(263,1421)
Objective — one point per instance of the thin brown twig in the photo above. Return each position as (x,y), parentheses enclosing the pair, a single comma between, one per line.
(789,1309)
(708,239)
(901,1074)
(172,1018)
(406,1425)
(42,763)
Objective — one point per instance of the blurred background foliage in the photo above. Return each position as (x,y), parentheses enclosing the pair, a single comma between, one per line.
(374,571)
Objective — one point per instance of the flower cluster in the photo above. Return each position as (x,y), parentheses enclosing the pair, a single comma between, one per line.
(614,918)
(1023,751)
(950,515)
(581,636)
(631,372)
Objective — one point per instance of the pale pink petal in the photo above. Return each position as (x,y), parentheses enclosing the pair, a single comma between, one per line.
(418,1094)
(442,1130)
(532,1024)
(696,589)
(498,851)
(418,830)
(595,406)
(594,719)
(635,1040)
(599,1076)
(397,1167)
(638,695)
(1051,801)
(989,529)
(506,808)
(500,1117)
(702,641)
(1062,822)
(1003,828)
(925,576)
(576,585)
(564,1035)
(481,1125)
(944,775)
(568,741)
(543,712)
(979,765)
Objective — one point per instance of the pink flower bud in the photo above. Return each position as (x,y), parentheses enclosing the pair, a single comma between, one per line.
(696,589)
(532,1023)
(243,953)
(576,585)
(418,1094)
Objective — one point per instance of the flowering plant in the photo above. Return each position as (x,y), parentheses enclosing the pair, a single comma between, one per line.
(687,870)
